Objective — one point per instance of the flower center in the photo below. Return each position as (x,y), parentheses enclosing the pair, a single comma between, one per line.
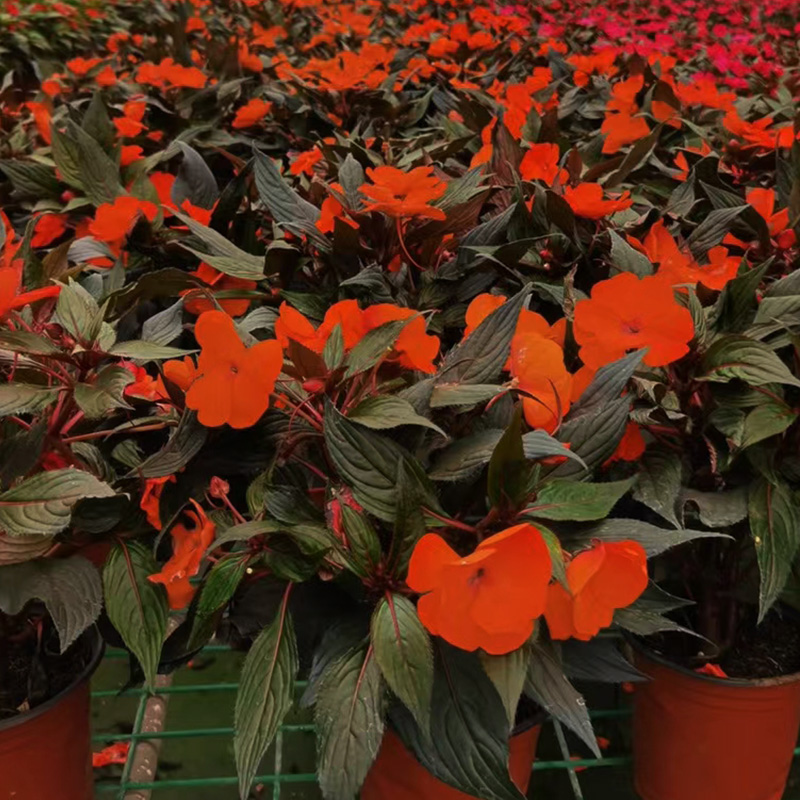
(477,575)
(632,327)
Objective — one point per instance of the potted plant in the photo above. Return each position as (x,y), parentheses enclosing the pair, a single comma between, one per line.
(73,451)
(725,686)
(434,520)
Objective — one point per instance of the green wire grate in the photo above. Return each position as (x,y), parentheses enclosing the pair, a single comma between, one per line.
(281,780)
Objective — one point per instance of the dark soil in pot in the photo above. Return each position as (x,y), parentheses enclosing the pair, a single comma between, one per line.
(32,668)
(768,650)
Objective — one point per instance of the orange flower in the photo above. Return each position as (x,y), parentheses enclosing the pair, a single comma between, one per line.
(622,129)
(332,210)
(248,60)
(181,372)
(664,112)
(291,324)
(720,269)
(130,153)
(480,308)
(487,600)
(188,548)
(179,76)
(106,77)
(631,446)
(540,162)
(581,381)
(349,317)
(627,313)
(113,221)
(683,166)
(151,498)
(714,670)
(484,154)
(538,365)
(127,127)
(304,163)
(221,282)
(678,267)
(623,95)
(251,113)
(234,382)
(586,200)
(144,385)
(763,201)
(41,118)
(404,194)
(48,228)
(609,576)
(80,66)
(414,348)
(10,296)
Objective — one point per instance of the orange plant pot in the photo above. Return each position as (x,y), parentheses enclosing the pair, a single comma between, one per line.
(397,775)
(46,754)
(702,738)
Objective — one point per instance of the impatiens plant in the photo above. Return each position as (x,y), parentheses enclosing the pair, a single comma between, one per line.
(426,350)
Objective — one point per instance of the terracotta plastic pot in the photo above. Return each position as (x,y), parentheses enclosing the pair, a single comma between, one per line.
(397,775)
(697,737)
(47,753)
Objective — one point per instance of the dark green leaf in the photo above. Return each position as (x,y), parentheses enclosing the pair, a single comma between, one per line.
(625,258)
(548,686)
(509,470)
(21,398)
(717,509)
(653,539)
(507,673)
(775,526)
(26,342)
(389,411)
(333,352)
(403,652)
(351,178)
(165,326)
(265,694)
(349,715)
(753,362)
(70,588)
(538,444)
(659,484)
(99,398)
(607,385)
(285,205)
(376,345)
(364,546)
(146,351)
(195,181)
(183,445)
(454,394)
(42,505)
(597,660)
(712,229)
(136,607)
(482,356)
(217,589)
(572,500)
(465,458)
(766,420)
(468,743)
(368,463)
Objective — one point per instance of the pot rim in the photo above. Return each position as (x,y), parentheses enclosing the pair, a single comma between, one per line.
(98,648)
(734,683)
